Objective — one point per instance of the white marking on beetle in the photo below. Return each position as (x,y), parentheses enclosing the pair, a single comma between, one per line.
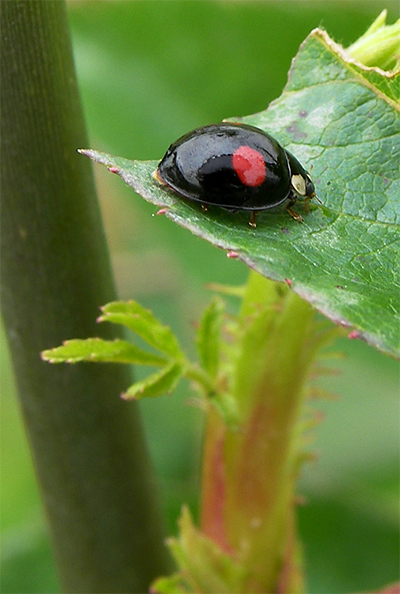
(299,184)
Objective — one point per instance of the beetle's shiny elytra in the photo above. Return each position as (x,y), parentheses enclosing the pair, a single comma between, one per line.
(236,167)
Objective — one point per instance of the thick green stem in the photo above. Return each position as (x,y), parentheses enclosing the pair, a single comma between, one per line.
(87,444)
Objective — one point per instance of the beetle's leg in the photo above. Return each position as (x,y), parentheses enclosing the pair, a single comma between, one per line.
(252,221)
(292,213)
(307,200)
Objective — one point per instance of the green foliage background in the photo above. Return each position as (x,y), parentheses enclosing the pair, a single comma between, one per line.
(150,71)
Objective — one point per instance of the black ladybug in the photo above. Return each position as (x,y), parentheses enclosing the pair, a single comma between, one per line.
(236,167)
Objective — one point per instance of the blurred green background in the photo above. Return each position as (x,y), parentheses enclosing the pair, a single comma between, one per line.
(148,72)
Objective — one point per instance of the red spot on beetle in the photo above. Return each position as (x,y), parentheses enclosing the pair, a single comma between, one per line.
(113,169)
(162,211)
(249,165)
(232,255)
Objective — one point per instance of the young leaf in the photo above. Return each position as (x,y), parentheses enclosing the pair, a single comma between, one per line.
(208,336)
(99,350)
(344,121)
(161,382)
(144,323)
(204,567)
(380,44)
(173,584)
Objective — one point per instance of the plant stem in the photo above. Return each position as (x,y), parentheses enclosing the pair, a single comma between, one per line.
(197,374)
(87,444)
(249,473)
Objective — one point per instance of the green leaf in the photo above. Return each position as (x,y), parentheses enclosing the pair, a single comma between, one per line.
(343,121)
(99,350)
(208,336)
(142,321)
(161,382)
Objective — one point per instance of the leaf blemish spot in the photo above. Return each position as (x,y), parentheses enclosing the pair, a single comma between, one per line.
(354,334)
